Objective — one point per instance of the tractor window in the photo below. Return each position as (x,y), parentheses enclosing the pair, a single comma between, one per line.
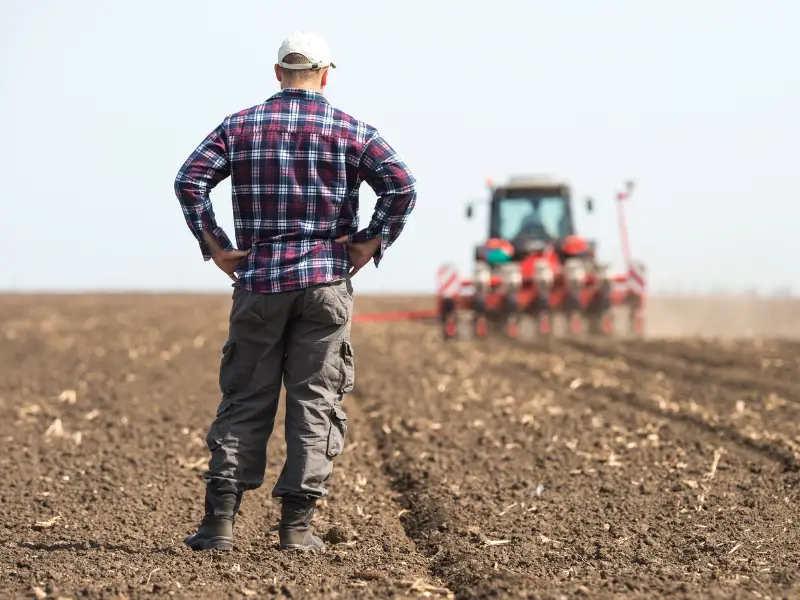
(539,218)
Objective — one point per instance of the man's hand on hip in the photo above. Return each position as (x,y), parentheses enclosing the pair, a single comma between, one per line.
(360,254)
(226,260)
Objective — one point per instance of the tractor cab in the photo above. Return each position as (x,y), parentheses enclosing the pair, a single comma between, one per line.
(531,214)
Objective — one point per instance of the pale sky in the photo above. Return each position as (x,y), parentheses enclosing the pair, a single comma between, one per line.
(697,100)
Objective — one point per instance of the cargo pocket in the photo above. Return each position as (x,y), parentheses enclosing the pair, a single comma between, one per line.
(349,367)
(234,370)
(337,432)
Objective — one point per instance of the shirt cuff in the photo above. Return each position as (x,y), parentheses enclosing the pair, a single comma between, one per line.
(222,239)
(366,235)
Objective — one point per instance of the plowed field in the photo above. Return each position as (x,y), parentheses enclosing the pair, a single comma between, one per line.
(657,468)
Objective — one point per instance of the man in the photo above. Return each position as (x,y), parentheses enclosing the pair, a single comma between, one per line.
(296,164)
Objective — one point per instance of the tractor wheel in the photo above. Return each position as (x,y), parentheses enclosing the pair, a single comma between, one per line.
(449,319)
(512,326)
(481,327)
(544,332)
(450,329)
(601,324)
(459,329)
(637,322)
(575,324)
(544,325)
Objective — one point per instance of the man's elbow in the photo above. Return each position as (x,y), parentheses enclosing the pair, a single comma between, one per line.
(180,185)
(411,196)
(187,189)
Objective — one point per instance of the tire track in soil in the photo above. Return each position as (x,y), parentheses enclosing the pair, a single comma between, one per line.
(687,365)
(722,408)
(144,373)
(713,400)
(627,508)
(786,459)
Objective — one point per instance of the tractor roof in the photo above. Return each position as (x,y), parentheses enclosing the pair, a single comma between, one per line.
(533,181)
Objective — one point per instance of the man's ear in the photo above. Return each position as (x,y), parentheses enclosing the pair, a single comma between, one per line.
(278,72)
(324,81)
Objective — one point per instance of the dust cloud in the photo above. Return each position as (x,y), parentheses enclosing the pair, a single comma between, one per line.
(723,316)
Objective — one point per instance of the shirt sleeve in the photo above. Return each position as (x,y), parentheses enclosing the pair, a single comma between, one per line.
(202,171)
(396,189)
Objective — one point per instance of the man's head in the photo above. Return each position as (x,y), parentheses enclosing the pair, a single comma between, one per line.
(303,62)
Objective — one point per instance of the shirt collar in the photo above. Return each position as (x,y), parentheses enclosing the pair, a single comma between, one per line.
(299,94)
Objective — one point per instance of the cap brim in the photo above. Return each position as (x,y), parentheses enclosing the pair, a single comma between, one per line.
(301,66)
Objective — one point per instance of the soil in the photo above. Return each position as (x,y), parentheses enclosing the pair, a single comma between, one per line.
(473,469)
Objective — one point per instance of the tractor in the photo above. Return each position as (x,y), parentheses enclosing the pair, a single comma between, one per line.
(534,268)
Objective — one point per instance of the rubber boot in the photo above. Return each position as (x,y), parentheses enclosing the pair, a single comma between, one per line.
(294,529)
(216,529)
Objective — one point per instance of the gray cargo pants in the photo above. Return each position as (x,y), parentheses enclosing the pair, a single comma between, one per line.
(300,338)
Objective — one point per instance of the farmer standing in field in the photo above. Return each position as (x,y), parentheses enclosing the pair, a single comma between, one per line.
(296,164)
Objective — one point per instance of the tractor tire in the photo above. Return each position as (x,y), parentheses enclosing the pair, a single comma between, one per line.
(601,324)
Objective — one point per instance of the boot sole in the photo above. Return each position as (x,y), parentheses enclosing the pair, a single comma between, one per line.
(222,543)
(301,548)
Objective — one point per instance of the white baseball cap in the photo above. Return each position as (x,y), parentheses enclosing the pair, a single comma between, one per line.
(310,45)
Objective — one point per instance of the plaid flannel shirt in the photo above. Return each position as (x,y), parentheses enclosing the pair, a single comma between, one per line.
(296,165)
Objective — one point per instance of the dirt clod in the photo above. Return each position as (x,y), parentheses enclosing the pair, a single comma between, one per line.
(339,534)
